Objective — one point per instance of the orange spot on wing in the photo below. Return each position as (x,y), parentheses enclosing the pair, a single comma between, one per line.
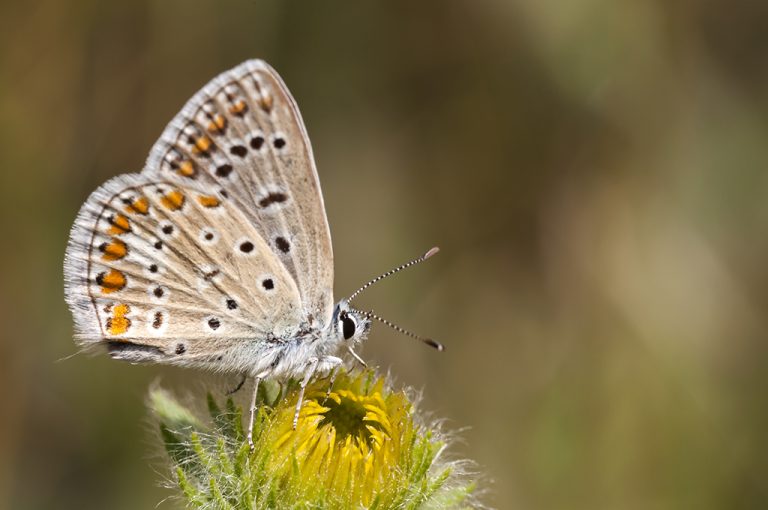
(173,200)
(202,145)
(186,169)
(238,108)
(138,206)
(118,225)
(113,250)
(119,323)
(266,102)
(217,124)
(208,201)
(112,281)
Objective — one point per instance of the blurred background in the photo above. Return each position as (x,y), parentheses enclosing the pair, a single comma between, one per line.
(595,172)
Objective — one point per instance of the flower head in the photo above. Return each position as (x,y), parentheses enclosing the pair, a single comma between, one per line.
(357,444)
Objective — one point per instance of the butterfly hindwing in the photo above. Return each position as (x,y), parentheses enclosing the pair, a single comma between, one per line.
(166,273)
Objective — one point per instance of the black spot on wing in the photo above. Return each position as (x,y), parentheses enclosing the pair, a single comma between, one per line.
(282,244)
(223,170)
(275,197)
(157,321)
(257,142)
(238,150)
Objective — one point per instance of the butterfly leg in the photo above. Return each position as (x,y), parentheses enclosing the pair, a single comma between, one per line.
(256,381)
(332,377)
(310,372)
(357,357)
(329,364)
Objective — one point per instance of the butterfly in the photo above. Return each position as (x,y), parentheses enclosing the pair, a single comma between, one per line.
(218,254)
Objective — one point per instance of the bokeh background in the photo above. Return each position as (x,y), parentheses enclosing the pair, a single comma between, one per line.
(595,172)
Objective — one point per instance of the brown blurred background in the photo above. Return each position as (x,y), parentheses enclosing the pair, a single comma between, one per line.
(595,172)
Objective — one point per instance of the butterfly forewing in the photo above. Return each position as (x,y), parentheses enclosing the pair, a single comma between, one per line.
(243,134)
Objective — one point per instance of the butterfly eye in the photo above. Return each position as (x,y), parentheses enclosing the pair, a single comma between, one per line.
(347,327)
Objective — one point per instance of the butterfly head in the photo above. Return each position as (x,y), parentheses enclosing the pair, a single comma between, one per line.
(349,325)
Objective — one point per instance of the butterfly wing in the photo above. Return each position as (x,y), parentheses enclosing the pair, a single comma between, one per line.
(170,274)
(221,238)
(243,133)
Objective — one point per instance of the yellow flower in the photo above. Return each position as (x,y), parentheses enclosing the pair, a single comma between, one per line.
(357,445)
(349,440)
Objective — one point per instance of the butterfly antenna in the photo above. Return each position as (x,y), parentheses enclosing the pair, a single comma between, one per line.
(432,343)
(413,262)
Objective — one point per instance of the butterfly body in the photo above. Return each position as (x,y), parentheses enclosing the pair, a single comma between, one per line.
(263,357)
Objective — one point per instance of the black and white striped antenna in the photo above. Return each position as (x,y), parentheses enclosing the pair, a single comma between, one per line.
(429,341)
(432,343)
(413,262)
